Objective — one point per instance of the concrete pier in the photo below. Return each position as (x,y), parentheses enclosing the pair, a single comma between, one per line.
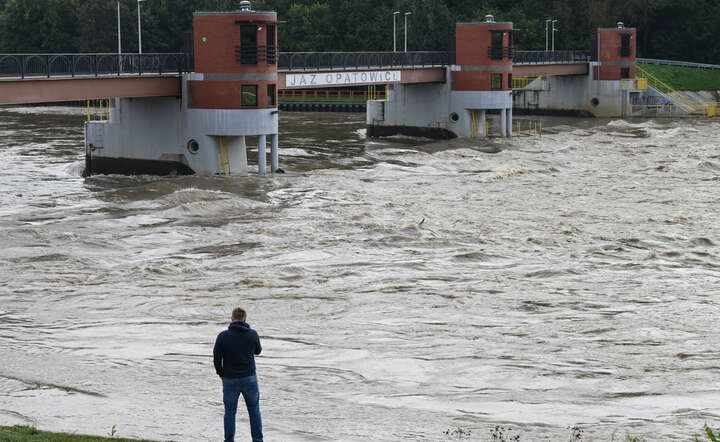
(262,155)
(275,153)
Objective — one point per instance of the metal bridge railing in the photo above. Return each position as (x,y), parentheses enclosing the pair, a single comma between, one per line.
(303,61)
(685,64)
(500,52)
(74,65)
(253,54)
(546,57)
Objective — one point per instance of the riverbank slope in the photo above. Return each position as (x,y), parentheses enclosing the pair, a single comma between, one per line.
(28,434)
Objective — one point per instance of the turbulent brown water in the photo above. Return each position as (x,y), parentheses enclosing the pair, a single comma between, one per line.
(402,288)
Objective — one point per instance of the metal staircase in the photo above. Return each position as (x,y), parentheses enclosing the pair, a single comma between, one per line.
(689,105)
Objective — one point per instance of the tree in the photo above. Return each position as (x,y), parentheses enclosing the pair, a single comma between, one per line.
(38,26)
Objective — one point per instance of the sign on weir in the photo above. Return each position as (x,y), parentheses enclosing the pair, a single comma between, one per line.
(342,78)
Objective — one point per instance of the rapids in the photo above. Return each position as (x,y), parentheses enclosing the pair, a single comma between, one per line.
(402,288)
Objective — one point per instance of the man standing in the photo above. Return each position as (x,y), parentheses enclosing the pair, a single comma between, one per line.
(234,357)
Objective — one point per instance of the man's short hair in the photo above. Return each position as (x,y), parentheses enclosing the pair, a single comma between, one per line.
(239,315)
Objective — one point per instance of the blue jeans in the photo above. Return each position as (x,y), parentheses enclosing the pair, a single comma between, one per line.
(248,387)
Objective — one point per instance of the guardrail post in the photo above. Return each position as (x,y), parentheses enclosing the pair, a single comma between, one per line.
(95,63)
(140,67)
(47,63)
(22,67)
(72,63)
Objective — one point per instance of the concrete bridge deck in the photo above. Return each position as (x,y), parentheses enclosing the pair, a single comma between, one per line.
(32,78)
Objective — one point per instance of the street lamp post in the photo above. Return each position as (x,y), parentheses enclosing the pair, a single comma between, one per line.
(119,30)
(406,32)
(547,35)
(139,29)
(554,29)
(395,14)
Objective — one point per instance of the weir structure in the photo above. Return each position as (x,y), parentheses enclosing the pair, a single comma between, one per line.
(604,87)
(230,96)
(479,82)
(199,113)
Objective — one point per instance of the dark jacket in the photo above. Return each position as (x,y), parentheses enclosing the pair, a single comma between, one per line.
(235,350)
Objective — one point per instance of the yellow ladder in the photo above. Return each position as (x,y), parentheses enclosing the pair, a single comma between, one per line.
(223,157)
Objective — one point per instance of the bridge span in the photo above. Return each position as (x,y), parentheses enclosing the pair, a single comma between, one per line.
(46,78)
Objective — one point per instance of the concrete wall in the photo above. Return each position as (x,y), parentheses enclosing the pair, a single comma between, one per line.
(574,94)
(433,110)
(425,105)
(143,128)
(160,129)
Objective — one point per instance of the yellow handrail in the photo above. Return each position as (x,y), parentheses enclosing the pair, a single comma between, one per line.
(522,82)
(665,89)
(534,128)
(97,110)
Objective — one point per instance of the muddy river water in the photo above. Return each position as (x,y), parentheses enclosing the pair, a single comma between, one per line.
(402,288)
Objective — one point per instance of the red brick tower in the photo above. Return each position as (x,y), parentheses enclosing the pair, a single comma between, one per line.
(482,74)
(484,56)
(616,53)
(233,92)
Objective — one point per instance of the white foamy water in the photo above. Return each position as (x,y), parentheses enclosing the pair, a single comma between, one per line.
(401,288)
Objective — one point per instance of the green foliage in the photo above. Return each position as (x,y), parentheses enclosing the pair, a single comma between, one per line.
(686,79)
(667,28)
(711,435)
(38,26)
(29,434)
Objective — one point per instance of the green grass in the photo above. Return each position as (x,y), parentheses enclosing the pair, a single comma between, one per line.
(685,79)
(29,434)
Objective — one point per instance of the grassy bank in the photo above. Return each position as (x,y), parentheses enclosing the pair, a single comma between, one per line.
(28,434)
(685,79)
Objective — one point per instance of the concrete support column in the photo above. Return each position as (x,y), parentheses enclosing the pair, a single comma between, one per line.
(274,152)
(262,155)
(509,122)
(503,123)
(238,155)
